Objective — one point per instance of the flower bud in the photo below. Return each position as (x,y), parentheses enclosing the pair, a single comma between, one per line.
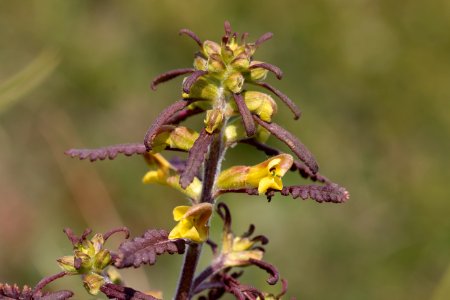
(210,48)
(235,131)
(86,262)
(257,74)
(203,89)
(97,242)
(261,104)
(93,282)
(67,263)
(101,260)
(241,62)
(227,54)
(214,118)
(215,64)
(174,137)
(200,62)
(235,82)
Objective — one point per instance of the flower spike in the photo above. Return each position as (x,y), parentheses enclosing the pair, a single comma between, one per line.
(169,75)
(192,35)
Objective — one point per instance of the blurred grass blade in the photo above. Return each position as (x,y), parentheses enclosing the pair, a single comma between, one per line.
(20,84)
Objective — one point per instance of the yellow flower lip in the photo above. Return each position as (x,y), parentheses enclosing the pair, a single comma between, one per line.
(192,222)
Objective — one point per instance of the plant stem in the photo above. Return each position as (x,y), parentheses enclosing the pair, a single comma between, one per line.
(187,273)
(211,168)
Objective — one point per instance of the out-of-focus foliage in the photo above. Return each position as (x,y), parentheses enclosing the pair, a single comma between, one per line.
(372,79)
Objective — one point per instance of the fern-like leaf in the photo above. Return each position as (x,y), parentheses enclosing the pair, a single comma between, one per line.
(292,142)
(320,193)
(107,152)
(144,249)
(196,157)
(13,292)
(113,291)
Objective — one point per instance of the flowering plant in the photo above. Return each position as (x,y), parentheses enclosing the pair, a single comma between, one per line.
(221,87)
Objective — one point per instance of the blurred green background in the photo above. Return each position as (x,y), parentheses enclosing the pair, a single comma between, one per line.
(372,79)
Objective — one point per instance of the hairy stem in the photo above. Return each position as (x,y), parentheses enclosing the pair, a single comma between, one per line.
(211,168)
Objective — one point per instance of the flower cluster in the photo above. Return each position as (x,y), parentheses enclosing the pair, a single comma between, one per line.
(90,260)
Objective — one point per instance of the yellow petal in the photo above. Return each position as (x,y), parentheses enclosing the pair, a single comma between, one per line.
(179,212)
(175,233)
(153,177)
(269,183)
(192,234)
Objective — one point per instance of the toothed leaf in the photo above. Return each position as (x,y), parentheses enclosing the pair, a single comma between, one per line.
(113,291)
(169,75)
(144,249)
(161,120)
(110,152)
(196,158)
(292,142)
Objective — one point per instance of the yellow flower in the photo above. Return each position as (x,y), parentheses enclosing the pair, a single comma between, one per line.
(264,176)
(192,222)
(163,175)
